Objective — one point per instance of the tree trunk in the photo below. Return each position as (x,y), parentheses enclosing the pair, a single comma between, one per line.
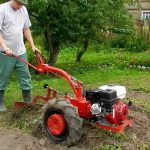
(82,51)
(52,46)
(53,54)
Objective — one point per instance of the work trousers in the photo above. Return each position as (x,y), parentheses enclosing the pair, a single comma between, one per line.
(8,64)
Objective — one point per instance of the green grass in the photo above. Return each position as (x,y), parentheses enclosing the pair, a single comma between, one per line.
(108,147)
(142,103)
(131,70)
(95,69)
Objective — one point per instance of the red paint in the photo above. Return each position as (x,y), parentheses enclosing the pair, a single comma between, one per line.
(56,124)
(117,128)
(120,113)
(82,105)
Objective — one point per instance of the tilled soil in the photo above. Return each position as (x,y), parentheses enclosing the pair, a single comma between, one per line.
(136,137)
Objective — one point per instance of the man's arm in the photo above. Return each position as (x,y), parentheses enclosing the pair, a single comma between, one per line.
(28,36)
(4,46)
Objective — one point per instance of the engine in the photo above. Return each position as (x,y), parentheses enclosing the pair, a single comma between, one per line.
(107,104)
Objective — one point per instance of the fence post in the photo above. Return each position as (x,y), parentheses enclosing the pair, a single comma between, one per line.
(149,31)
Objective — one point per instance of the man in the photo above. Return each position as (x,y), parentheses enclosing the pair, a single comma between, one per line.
(14,23)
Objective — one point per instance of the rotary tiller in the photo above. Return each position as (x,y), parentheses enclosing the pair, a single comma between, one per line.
(62,117)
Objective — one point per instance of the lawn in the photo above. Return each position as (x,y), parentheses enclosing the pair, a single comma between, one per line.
(97,68)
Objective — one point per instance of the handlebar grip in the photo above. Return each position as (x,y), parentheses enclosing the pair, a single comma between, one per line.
(3,52)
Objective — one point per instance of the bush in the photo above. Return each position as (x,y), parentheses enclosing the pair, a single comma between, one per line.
(119,42)
(137,44)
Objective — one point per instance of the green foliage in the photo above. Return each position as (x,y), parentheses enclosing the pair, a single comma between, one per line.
(140,63)
(40,45)
(105,57)
(119,41)
(118,137)
(137,44)
(108,147)
(143,146)
(121,31)
(140,102)
(2,1)
(65,21)
(133,43)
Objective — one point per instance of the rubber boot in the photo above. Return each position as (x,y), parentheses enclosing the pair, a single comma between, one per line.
(26,96)
(2,105)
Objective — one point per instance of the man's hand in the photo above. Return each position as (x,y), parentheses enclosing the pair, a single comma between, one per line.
(3,45)
(28,36)
(35,49)
(8,51)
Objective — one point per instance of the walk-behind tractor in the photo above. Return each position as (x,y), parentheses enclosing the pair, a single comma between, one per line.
(62,117)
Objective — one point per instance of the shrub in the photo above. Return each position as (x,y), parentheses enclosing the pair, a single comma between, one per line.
(137,44)
(119,42)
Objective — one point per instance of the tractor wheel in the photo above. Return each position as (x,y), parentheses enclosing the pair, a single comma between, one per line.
(62,122)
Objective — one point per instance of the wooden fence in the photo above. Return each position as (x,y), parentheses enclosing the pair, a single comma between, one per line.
(144,28)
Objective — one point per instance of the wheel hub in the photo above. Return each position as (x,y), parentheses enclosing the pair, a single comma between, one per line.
(56,124)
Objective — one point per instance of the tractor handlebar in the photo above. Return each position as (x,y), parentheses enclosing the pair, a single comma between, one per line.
(39,58)
(37,55)
(42,68)
(4,53)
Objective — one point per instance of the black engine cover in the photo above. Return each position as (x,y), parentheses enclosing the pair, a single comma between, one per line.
(106,98)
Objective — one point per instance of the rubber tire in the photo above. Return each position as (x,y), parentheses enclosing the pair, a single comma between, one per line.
(72,133)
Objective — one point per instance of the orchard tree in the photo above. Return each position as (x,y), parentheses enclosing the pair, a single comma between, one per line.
(78,21)
(55,19)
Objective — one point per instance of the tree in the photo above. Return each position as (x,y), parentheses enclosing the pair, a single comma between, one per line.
(99,16)
(76,21)
(54,17)
(2,1)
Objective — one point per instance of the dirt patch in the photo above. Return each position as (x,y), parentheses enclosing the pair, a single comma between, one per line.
(139,95)
(135,138)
